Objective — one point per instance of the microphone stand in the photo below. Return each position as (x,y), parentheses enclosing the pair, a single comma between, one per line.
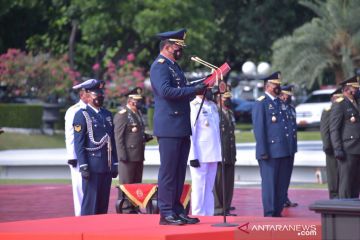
(224,223)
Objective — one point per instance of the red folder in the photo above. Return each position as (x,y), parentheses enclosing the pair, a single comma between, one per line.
(223,69)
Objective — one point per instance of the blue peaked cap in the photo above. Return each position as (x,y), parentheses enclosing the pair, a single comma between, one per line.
(90,84)
(177,36)
(274,78)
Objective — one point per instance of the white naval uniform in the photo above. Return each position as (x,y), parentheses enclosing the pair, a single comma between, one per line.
(76,178)
(206,147)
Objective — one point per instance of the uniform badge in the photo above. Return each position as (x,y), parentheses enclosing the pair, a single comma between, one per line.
(273,119)
(352,119)
(207,123)
(271,106)
(122,111)
(77,128)
(134,129)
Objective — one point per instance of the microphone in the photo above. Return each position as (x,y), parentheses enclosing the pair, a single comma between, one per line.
(202,62)
(215,68)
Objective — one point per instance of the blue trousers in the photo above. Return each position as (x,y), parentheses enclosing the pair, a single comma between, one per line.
(274,176)
(289,166)
(96,194)
(174,154)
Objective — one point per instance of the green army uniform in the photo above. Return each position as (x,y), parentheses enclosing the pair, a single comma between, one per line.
(345,139)
(331,162)
(227,127)
(130,145)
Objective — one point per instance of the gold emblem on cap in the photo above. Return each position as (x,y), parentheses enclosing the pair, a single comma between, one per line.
(273,119)
(207,123)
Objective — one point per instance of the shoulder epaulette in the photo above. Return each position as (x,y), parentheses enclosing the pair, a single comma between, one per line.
(327,109)
(122,111)
(161,60)
(260,98)
(340,99)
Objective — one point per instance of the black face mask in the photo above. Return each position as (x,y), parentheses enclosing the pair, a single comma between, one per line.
(178,54)
(139,105)
(277,90)
(227,103)
(357,94)
(288,100)
(99,101)
(209,95)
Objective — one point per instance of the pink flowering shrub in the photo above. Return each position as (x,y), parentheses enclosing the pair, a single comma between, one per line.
(37,76)
(122,76)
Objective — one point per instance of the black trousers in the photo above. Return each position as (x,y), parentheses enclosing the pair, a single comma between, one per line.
(349,172)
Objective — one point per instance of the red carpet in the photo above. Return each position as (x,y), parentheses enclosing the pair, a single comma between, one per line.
(52,206)
(140,227)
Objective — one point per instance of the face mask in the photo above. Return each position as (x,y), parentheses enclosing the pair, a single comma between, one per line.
(288,100)
(98,101)
(227,103)
(277,90)
(357,94)
(178,53)
(138,105)
(209,95)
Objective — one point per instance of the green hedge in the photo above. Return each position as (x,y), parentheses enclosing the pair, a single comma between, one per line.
(20,115)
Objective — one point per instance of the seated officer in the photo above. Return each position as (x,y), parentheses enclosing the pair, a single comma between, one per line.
(272,146)
(95,150)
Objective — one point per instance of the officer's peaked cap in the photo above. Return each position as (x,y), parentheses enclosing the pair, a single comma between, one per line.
(134,93)
(337,92)
(288,89)
(177,37)
(352,81)
(91,84)
(274,78)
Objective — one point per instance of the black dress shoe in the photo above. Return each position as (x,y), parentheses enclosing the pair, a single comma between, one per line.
(288,203)
(171,220)
(187,219)
(232,208)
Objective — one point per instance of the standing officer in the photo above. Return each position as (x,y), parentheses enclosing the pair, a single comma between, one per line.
(172,125)
(272,146)
(205,153)
(130,138)
(332,171)
(345,138)
(95,149)
(290,117)
(76,178)
(228,146)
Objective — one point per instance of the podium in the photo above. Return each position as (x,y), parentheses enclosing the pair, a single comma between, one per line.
(340,218)
(144,196)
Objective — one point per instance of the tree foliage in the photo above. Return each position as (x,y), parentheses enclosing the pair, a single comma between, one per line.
(231,30)
(329,43)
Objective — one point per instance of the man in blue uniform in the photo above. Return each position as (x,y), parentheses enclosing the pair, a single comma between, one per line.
(95,149)
(272,146)
(172,95)
(290,117)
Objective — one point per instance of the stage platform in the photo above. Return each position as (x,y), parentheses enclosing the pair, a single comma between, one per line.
(146,227)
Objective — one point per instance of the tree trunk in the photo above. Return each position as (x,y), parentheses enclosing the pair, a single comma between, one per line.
(74,24)
(339,75)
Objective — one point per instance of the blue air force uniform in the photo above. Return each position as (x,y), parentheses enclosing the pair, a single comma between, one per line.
(172,127)
(272,150)
(291,127)
(95,148)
